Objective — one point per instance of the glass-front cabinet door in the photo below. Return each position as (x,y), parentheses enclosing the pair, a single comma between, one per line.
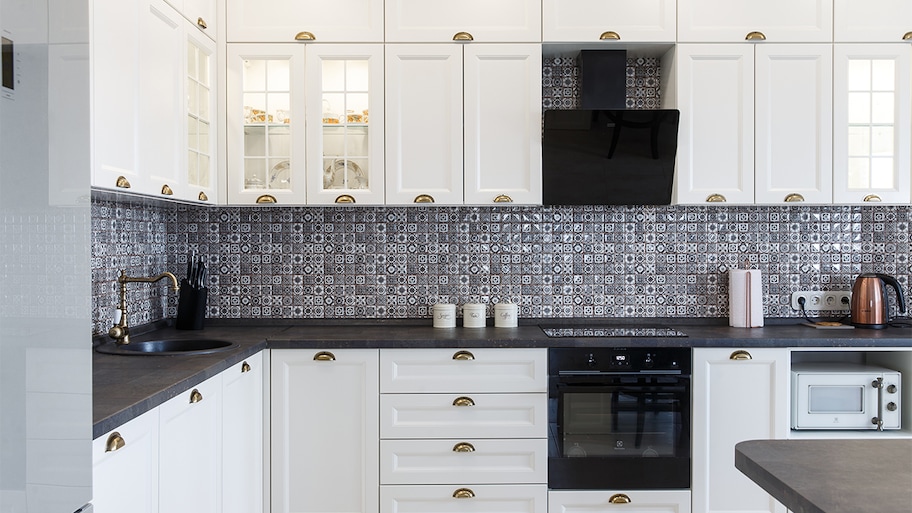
(201,135)
(345,124)
(266,151)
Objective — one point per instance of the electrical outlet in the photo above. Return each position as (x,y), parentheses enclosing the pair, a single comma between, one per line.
(820,300)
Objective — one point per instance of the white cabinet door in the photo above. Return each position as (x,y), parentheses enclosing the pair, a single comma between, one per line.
(780,21)
(424,147)
(199,126)
(737,396)
(190,431)
(202,13)
(284,21)
(598,501)
(716,132)
(503,124)
(464,498)
(344,124)
(242,437)
(871,123)
(125,467)
(487,21)
(872,21)
(650,21)
(325,432)
(794,123)
(266,133)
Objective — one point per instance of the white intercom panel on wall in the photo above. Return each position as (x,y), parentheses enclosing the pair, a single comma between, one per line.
(9,66)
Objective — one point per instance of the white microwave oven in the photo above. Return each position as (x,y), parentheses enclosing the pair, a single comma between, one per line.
(845,396)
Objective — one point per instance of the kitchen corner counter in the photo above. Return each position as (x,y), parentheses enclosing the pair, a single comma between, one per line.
(832,476)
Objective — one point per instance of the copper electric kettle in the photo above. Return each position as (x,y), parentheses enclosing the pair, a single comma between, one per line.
(870,308)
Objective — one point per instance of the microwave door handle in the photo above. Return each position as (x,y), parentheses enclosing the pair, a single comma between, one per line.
(878,384)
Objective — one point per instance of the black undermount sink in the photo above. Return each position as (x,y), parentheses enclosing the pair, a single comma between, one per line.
(183,346)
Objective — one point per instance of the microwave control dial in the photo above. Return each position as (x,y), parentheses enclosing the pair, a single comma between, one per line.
(891,389)
(891,406)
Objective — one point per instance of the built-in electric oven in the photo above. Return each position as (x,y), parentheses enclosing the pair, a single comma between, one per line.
(619,418)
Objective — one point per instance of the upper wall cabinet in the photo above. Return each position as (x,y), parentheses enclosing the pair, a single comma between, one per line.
(608,20)
(199,12)
(781,21)
(479,20)
(285,21)
(872,21)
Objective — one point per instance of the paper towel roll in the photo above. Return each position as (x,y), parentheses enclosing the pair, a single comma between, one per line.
(745,298)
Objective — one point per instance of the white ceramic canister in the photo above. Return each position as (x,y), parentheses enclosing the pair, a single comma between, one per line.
(474,315)
(444,315)
(505,315)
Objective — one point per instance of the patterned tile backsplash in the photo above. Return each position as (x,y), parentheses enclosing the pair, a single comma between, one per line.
(394,262)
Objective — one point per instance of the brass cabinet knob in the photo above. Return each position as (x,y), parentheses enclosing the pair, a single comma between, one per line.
(424,198)
(202,196)
(463,447)
(716,198)
(463,401)
(794,197)
(463,493)
(166,190)
(740,354)
(463,36)
(122,182)
(345,198)
(305,36)
(115,442)
(201,23)
(463,355)
(610,36)
(245,367)
(619,498)
(503,198)
(324,356)
(872,198)
(755,36)
(907,36)
(195,396)
(266,198)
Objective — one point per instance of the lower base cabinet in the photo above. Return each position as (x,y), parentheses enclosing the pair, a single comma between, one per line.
(464,499)
(125,467)
(605,501)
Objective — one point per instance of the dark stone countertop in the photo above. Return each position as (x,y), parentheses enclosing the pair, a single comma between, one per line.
(127,386)
(832,476)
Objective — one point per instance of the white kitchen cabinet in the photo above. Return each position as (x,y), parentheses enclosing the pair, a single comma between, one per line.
(287,21)
(600,501)
(325,433)
(467,498)
(873,21)
(125,467)
(479,461)
(243,415)
(475,370)
(780,21)
(737,395)
(871,128)
(755,124)
(488,21)
(190,429)
(648,21)
(201,13)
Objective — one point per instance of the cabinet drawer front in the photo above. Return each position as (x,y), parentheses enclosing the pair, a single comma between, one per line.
(472,499)
(592,501)
(464,370)
(463,461)
(482,416)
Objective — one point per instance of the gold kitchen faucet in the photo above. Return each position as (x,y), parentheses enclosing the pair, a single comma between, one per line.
(120,332)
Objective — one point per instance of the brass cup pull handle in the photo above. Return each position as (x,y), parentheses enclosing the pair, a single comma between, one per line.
(503,198)
(463,355)
(115,442)
(619,498)
(872,198)
(424,198)
(201,23)
(202,196)
(245,367)
(463,36)
(305,36)
(907,36)
(345,198)
(463,447)
(610,36)
(195,396)
(740,354)
(463,401)
(755,36)
(167,190)
(266,198)
(122,182)
(324,356)
(463,493)
(716,198)
(794,197)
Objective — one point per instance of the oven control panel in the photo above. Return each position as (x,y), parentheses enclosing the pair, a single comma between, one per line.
(577,360)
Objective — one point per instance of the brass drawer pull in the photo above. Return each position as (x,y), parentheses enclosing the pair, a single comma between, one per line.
(345,198)
(167,190)
(245,367)
(794,197)
(872,198)
(463,355)
(201,23)
(907,36)
(195,396)
(324,356)
(463,401)
(122,182)
(115,442)
(202,196)
(463,447)
(463,36)
(740,354)
(266,198)
(424,198)
(463,493)
(716,198)
(610,36)
(755,36)
(305,36)
(503,198)
(620,498)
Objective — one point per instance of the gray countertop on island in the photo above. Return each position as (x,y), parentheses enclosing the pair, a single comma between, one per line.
(832,475)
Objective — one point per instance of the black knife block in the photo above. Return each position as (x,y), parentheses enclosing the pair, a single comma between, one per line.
(191,307)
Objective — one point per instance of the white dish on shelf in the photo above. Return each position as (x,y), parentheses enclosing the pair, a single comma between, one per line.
(337,175)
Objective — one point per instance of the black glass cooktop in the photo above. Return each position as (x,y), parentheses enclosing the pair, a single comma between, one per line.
(609,331)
